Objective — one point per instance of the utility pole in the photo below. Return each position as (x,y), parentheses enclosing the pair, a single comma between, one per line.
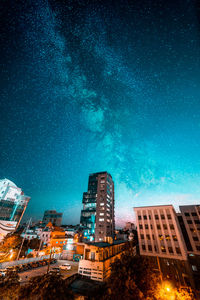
(20,249)
(49,260)
(161,278)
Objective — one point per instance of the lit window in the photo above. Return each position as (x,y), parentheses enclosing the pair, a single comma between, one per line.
(101,204)
(101,214)
(194,268)
(101,219)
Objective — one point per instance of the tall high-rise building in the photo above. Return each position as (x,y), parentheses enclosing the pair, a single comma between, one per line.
(13,203)
(97,216)
(52,216)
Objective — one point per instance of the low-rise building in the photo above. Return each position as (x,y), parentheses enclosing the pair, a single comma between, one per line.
(29,234)
(52,216)
(98,257)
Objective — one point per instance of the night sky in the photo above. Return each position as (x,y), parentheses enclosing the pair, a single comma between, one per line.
(89,86)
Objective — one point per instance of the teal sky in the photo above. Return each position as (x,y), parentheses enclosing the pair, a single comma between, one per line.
(95,86)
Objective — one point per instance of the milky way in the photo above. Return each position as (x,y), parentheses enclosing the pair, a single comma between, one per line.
(89,86)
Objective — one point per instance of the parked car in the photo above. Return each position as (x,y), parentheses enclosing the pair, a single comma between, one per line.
(3,272)
(34,265)
(19,268)
(55,270)
(65,267)
(29,266)
(53,261)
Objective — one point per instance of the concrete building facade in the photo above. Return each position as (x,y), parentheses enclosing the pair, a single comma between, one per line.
(13,204)
(97,259)
(97,216)
(159,232)
(53,217)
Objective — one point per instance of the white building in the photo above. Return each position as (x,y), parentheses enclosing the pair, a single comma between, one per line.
(159,232)
(13,203)
(29,234)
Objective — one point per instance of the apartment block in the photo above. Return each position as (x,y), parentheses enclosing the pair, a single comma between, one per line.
(191,218)
(97,216)
(53,217)
(159,232)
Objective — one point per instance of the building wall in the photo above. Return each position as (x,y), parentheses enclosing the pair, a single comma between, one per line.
(105,207)
(96,262)
(159,232)
(52,216)
(13,203)
(97,216)
(191,219)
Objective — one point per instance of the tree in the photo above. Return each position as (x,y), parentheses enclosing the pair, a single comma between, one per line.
(46,287)
(133,277)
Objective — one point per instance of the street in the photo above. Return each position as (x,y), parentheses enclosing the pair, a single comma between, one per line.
(25,276)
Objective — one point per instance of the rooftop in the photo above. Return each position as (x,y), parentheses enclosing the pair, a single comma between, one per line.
(104,244)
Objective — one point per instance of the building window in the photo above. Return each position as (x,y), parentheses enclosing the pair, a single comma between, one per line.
(162,217)
(151,226)
(143,247)
(174,237)
(195,238)
(178,250)
(101,204)
(149,217)
(161,237)
(158,226)
(153,237)
(167,237)
(101,219)
(142,236)
(187,214)
(101,214)
(145,217)
(194,268)
(148,237)
(149,247)
(197,221)
(140,226)
(156,217)
(146,226)
(139,218)
(163,249)
(198,248)
(171,226)
(194,214)
(170,250)
(169,217)
(189,221)
(165,226)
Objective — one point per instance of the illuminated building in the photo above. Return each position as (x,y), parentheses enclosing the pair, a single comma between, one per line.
(97,259)
(57,238)
(160,237)
(13,203)
(52,216)
(97,216)
(159,232)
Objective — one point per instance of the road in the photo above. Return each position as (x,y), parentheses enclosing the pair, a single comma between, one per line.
(25,276)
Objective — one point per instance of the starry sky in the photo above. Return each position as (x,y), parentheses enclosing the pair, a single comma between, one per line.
(89,86)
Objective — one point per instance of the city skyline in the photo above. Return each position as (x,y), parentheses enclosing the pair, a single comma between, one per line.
(79,98)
